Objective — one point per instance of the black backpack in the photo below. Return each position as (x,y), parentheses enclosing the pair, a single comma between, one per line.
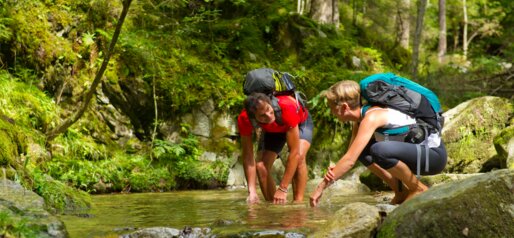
(272,83)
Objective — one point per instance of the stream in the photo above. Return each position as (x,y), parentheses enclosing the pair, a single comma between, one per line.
(224,211)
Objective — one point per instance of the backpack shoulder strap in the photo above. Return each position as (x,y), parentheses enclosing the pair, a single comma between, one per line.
(365,109)
(277,110)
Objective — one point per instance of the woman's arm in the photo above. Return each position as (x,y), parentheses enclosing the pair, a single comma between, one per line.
(367,127)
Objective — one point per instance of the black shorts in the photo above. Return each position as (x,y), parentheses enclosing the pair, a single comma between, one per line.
(276,141)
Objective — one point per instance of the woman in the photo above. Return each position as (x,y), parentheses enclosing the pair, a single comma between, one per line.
(392,161)
(294,127)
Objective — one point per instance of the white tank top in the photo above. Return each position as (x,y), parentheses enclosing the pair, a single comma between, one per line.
(397,119)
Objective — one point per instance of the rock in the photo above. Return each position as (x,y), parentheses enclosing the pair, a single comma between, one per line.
(208,107)
(504,144)
(167,232)
(439,179)
(372,181)
(480,206)
(469,131)
(236,176)
(154,232)
(27,209)
(202,124)
(354,220)
(208,156)
(342,191)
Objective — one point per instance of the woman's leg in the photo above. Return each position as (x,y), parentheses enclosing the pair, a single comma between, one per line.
(403,173)
(400,159)
(366,159)
(399,193)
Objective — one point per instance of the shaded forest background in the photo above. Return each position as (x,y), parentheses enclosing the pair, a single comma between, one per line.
(171,56)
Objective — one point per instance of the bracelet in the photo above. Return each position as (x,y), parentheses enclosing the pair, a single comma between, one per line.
(284,190)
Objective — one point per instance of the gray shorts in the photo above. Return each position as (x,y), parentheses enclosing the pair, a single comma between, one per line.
(276,141)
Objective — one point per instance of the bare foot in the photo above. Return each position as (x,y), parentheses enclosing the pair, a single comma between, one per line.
(420,189)
(399,197)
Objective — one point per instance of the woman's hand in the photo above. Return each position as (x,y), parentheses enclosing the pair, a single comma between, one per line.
(330,177)
(315,196)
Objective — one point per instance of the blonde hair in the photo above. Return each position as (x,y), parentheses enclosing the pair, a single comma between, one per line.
(345,91)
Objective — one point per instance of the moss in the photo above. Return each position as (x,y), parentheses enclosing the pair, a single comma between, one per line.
(373,181)
(502,140)
(437,179)
(12,143)
(469,136)
(483,116)
(448,209)
(59,197)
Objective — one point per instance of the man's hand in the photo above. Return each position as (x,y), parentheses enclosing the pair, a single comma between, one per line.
(279,197)
(252,198)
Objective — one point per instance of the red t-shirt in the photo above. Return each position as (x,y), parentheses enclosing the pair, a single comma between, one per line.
(291,117)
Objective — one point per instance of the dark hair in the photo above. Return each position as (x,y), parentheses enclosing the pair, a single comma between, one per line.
(253,100)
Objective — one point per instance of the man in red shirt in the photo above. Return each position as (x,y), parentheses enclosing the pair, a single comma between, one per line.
(294,127)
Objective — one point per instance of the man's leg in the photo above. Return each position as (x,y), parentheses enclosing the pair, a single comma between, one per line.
(266,181)
(301,175)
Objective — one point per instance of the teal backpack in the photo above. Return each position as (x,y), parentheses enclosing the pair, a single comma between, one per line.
(404,95)
(388,89)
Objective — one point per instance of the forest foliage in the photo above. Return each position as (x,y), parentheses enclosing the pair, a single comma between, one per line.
(193,50)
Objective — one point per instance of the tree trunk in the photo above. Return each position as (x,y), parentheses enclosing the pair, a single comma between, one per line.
(441,51)
(325,12)
(98,78)
(422,4)
(301,6)
(465,31)
(404,23)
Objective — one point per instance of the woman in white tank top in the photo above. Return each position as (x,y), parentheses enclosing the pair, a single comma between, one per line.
(387,156)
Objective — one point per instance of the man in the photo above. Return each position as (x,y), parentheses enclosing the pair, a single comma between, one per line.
(282,120)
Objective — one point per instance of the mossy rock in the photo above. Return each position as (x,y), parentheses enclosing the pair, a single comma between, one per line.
(469,132)
(354,220)
(12,142)
(504,144)
(373,181)
(480,206)
(23,213)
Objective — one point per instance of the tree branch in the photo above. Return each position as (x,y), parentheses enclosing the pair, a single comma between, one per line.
(98,78)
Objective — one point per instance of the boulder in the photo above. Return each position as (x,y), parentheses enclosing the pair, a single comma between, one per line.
(342,191)
(504,144)
(469,131)
(24,210)
(354,220)
(479,206)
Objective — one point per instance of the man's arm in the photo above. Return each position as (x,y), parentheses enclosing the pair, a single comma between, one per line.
(249,168)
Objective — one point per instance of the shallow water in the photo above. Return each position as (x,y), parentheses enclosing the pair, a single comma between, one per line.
(224,211)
